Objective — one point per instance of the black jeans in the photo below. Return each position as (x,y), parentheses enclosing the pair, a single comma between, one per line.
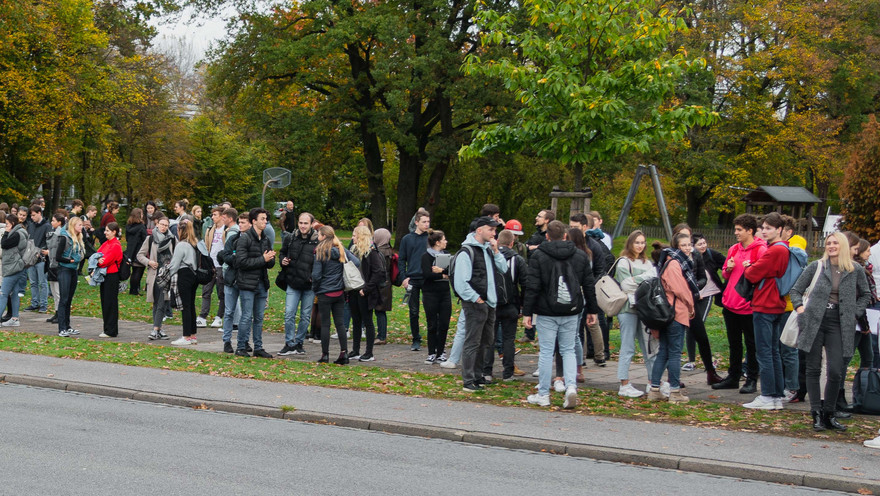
(696,334)
(478,338)
(438,311)
(137,273)
(414,311)
(110,304)
(740,327)
(829,338)
(186,287)
(361,317)
(508,317)
(67,281)
(327,306)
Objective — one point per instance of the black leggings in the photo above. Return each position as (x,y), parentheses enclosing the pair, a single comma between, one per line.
(696,334)
(186,287)
(438,312)
(361,317)
(829,337)
(137,273)
(332,305)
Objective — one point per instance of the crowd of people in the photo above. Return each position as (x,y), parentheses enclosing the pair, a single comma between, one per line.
(548,282)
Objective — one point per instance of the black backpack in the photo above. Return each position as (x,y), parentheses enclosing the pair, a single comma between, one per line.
(205,269)
(651,305)
(564,295)
(866,391)
(509,295)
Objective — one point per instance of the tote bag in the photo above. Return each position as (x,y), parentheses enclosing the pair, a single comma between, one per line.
(609,295)
(791,330)
(351,276)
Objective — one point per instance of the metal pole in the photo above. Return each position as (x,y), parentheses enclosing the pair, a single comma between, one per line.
(627,205)
(266,185)
(661,202)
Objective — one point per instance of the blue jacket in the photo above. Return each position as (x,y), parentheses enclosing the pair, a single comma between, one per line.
(412,247)
(71,251)
(96,274)
(327,274)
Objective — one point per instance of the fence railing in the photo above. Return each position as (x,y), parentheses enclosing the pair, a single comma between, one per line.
(722,239)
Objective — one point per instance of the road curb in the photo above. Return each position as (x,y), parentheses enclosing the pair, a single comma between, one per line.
(601,453)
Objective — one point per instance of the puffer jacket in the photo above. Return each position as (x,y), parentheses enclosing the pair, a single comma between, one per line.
(14,243)
(300,249)
(327,274)
(252,268)
(540,268)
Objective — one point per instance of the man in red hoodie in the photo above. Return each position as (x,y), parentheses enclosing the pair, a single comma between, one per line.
(737,310)
(767,309)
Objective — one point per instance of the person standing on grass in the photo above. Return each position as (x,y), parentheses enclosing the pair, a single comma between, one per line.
(297,259)
(767,309)
(157,251)
(198,222)
(235,225)
(560,285)
(213,243)
(13,243)
(108,217)
(737,311)
(363,301)
(150,210)
(412,247)
(89,234)
(329,286)
(436,297)
(288,221)
(135,235)
(38,229)
(382,240)
(70,252)
(838,298)
(184,263)
(508,312)
(111,259)
(633,269)
(253,259)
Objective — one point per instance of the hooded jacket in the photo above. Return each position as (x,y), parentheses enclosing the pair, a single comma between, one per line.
(13,244)
(327,274)
(772,264)
(252,268)
(541,264)
(477,279)
(300,249)
(731,299)
(798,247)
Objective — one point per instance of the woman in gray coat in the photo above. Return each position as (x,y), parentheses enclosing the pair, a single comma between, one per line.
(156,251)
(828,321)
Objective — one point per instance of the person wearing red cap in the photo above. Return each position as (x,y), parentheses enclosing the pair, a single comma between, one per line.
(515,228)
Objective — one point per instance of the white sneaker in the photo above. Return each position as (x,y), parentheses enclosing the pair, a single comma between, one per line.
(664,389)
(63,334)
(629,391)
(12,322)
(571,397)
(558,386)
(873,443)
(334,336)
(449,364)
(688,367)
(183,341)
(539,399)
(761,402)
(218,322)
(535,373)
(200,322)
(789,395)
(778,403)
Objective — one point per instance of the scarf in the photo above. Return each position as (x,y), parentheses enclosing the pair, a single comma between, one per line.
(433,252)
(687,267)
(595,234)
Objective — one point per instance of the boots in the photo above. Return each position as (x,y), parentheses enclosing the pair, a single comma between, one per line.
(677,397)
(750,387)
(580,374)
(712,377)
(729,382)
(343,358)
(818,424)
(831,423)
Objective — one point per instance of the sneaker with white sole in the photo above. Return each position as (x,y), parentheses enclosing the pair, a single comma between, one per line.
(184,341)
(761,402)
(539,399)
(218,322)
(688,367)
(872,443)
(558,386)
(154,335)
(63,334)
(789,395)
(664,389)
(629,391)
(431,359)
(200,322)
(449,364)
(778,403)
(72,331)
(13,322)
(571,397)
(442,358)
(535,373)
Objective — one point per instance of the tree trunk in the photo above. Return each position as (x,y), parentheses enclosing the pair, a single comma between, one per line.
(375,176)
(407,192)
(695,202)
(55,203)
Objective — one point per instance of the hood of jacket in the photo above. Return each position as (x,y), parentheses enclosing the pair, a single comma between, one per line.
(507,252)
(560,250)
(472,240)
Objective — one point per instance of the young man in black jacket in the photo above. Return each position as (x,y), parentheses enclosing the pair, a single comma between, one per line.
(509,304)
(560,284)
(235,225)
(253,259)
(297,259)
(37,230)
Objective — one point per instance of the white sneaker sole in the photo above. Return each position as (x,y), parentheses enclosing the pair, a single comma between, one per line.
(571,399)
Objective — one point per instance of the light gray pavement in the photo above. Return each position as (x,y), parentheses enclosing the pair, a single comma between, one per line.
(814,463)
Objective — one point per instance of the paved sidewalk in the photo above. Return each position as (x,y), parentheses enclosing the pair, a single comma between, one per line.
(814,463)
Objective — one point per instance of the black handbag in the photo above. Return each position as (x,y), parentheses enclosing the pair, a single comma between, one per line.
(281,280)
(745,288)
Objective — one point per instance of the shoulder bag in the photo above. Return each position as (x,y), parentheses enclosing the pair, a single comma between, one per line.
(609,294)
(791,330)
(351,276)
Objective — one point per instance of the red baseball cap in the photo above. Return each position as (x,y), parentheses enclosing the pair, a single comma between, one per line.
(514,226)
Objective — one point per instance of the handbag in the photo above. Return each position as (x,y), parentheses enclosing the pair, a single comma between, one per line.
(351,276)
(745,288)
(791,330)
(609,294)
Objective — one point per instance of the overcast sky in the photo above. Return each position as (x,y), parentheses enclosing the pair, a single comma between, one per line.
(200,33)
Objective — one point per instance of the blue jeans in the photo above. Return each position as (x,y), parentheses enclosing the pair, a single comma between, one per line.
(39,286)
(458,340)
(768,328)
(669,356)
(305,299)
(631,329)
(253,306)
(9,287)
(381,325)
(563,330)
(789,362)
(229,311)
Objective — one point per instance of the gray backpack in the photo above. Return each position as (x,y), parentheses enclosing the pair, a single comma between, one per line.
(52,242)
(31,254)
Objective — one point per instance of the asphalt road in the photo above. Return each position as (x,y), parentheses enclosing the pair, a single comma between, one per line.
(55,442)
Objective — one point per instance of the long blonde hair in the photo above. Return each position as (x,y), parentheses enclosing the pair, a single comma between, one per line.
(844,257)
(322,251)
(364,241)
(77,238)
(186,233)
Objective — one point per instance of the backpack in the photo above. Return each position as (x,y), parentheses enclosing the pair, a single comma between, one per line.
(464,249)
(866,391)
(792,272)
(564,294)
(124,268)
(395,269)
(205,267)
(651,305)
(509,294)
(31,255)
(52,240)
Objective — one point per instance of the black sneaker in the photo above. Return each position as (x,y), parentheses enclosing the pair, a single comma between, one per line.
(366,357)
(298,350)
(416,346)
(242,353)
(227,347)
(354,355)
(472,388)
(247,347)
(287,350)
(261,353)
(53,319)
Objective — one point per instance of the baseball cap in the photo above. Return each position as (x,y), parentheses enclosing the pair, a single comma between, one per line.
(514,226)
(487,221)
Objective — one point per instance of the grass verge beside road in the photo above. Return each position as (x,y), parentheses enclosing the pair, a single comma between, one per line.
(447,387)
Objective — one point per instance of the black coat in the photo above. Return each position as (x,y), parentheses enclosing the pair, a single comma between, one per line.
(249,262)
(301,252)
(540,268)
(135,235)
(327,274)
(373,271)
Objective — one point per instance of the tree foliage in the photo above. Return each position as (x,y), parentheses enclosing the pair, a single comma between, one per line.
(861,184)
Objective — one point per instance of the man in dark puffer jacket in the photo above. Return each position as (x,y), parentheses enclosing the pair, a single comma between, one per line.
(297,258)
(253,259)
